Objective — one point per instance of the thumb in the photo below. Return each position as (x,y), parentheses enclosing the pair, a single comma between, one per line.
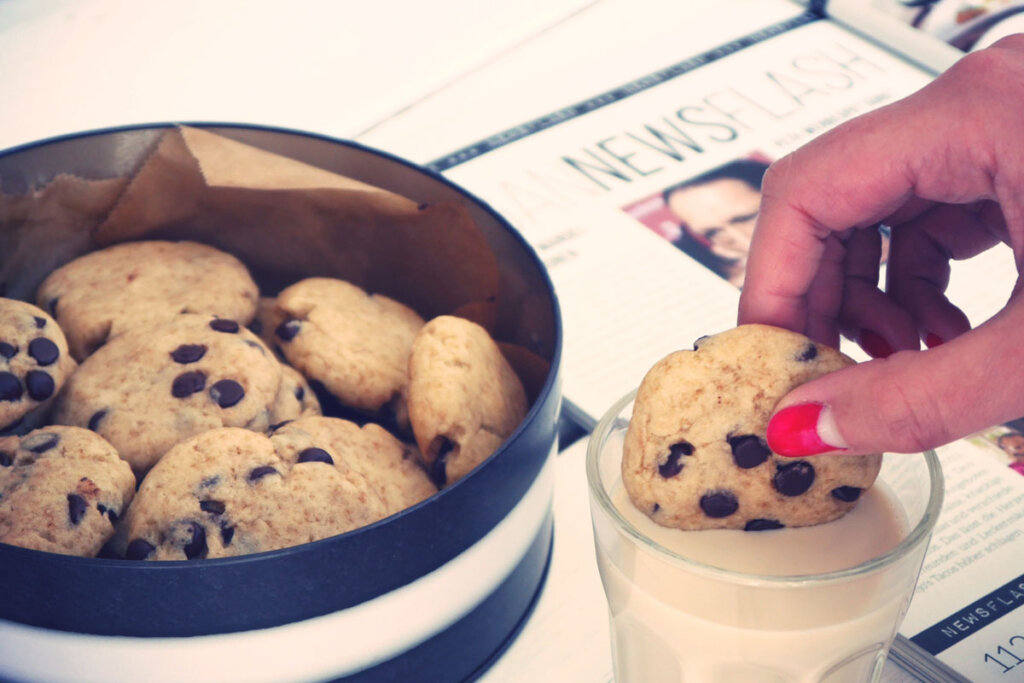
(910,401)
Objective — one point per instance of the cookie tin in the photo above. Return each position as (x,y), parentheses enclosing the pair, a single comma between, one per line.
(432,593)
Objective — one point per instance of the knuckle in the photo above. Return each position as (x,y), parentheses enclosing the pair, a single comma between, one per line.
(993,68)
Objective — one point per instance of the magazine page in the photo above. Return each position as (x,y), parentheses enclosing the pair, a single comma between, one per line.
(627,194)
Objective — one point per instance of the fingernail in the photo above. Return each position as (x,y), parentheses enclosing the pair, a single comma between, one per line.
(874,344)
(931,340)
(804,429)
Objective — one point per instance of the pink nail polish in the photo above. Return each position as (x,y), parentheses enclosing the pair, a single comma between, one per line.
(931,340)
(803,429)
(875,344)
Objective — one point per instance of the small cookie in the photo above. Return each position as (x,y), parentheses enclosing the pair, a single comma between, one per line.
(230,492)
(101,294)
(62,490)
(294,399)
(353,343)
(153,386)
(34,364)
(464,397)
(267,318)
(695,455)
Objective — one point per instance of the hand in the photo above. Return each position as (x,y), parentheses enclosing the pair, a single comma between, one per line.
(944,168)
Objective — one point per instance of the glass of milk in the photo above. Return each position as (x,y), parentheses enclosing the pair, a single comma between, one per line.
(813,604)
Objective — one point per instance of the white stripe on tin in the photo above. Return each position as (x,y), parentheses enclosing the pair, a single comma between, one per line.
(329,646)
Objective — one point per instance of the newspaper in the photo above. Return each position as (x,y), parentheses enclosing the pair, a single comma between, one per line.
(607,189)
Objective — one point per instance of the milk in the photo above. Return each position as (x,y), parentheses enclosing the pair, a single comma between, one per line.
(677,621)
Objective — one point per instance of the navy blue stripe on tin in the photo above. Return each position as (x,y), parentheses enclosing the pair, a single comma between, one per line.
(972,618)
(555,118)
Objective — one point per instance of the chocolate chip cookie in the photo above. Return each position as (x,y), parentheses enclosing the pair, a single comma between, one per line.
(464,397)
(34,364)
(101,294)
(695,454)
(233,492)
(153,386)
(62,490)
(356,345)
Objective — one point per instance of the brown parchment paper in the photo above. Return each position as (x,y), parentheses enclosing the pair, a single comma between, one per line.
(285,219)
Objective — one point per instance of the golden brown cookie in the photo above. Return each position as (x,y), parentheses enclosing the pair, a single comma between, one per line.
(34,364)
(62,490)
(101,294)
(464,398)
(153,386)
(695,454)
(230,492)
(356,345)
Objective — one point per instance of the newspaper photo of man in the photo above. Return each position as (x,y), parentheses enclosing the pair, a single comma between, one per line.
(716,213)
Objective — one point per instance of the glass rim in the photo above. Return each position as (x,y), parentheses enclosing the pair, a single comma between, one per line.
(920,533)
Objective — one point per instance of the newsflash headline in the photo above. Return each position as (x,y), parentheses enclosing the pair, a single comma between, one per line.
(696,127)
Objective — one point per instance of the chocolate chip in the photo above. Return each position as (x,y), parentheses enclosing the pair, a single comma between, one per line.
(112,515)
(43,350)
(794,478)
(763,525)
(76,508)
(40,322)
(439,468)
(97,417)
(226,534)
(39,384)
(10,387)
(256,326)
(40,443)
(8,350)
(256,345)
(655,509)
(6,459)
(51,305)
(188,353)
(260,472)
(847,494)
(718,504)
(809,353)
(300,393)
(11,427)
(748,450)
(673,465)
(315,455)
(227,392)
(210,482)
(287,330)
(214,507)
(196,548)
(224,325)
(275,427)
(696,342)
(139,549)
(188,383)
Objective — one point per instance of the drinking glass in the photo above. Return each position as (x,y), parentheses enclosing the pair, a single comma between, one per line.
(675,619)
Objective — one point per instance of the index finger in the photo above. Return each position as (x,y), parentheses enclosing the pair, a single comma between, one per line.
(938,144)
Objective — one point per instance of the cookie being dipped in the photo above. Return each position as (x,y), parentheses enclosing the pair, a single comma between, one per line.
(695,454)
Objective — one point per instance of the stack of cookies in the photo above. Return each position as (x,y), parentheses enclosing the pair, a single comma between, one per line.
(155,406)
